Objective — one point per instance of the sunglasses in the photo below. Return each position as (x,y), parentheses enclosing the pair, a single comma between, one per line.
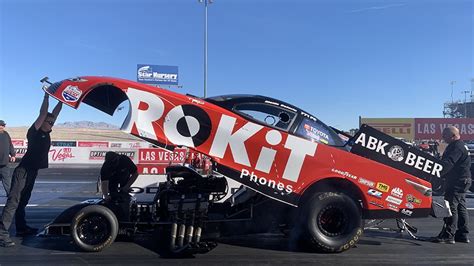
(50,122)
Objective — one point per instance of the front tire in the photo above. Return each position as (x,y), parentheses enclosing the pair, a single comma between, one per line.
(94,228)
(330,222)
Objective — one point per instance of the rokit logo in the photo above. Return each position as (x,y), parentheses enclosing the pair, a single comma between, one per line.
(189,125)
(396,153)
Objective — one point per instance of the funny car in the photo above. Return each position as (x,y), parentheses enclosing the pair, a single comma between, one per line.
(321,186)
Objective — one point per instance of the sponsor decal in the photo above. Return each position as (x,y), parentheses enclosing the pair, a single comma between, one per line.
(393,200)
(375,193)
(98,144)
(263,181)
(412,199)
(383,187)
(316,134)
(227,139)
(71,93)
(392,207)
(344,173)
(407,212)
(409,205)
(419,165)
(77,79)
(366,182)
(376,203)
(100,155)
(396,153)
(61,154)
(397,192)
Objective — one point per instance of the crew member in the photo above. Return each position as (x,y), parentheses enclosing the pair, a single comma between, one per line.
(117,175)
(7,154)
(24,176)
(458,180)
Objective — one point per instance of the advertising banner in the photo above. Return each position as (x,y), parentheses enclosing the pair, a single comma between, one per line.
(156,74)
(432,128)
(161,156)
(100,144)
(395,127)
(374,145)
(62,143)
(18,143)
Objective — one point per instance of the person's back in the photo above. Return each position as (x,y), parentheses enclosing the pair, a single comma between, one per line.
(457,178)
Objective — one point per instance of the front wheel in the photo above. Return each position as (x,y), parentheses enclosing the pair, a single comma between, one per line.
(330,222)
(94,228)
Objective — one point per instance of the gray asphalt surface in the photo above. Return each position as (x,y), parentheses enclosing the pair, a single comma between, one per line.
(59,188)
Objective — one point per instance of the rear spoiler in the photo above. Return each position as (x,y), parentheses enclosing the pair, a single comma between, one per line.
(378,146)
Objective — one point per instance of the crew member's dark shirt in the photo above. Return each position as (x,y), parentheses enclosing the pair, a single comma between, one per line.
(117,174)
(6,148)
(458,176)
(36,156)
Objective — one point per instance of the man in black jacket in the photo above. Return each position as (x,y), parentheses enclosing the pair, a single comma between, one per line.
(24,176)
(7,155)
(117,175)
(458,180)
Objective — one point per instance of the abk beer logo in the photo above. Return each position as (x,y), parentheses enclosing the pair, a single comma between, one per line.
(396,153)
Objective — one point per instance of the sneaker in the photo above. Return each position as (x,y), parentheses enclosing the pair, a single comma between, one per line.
(6,242)
(443,240)
(28,231)
(462,239)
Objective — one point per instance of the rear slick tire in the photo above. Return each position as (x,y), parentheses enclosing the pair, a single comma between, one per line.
(331,222)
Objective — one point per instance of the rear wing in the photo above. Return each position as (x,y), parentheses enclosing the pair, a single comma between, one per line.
(370,143)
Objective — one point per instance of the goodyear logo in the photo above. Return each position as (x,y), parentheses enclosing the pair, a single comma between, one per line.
(383,187)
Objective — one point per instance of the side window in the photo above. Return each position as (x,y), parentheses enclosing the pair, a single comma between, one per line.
(317,131)
(274,116)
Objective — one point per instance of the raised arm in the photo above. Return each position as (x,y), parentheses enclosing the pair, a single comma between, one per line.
(57,109)
(43,112)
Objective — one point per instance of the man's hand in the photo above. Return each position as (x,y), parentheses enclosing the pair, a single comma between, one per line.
(12,159)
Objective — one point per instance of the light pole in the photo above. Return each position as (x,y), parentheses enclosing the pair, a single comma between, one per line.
(465,104)
(452,85)
(206,3)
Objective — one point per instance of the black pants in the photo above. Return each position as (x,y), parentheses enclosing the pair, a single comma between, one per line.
(23,181)
(458,224)
(6,178)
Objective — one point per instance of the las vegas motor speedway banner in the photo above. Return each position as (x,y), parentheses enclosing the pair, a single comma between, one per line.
(421,128)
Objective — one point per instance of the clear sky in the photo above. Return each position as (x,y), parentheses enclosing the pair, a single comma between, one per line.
(335,59)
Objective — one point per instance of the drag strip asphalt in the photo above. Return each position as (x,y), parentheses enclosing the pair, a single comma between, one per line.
(58,188)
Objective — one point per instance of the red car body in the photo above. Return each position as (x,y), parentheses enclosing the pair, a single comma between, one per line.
(271,161)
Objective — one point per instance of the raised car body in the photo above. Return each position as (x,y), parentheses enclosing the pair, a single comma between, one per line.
(281,158)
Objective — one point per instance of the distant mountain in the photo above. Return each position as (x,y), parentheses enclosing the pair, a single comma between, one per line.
(86,124)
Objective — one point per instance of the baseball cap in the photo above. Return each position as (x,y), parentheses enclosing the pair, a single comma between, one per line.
(2,123)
